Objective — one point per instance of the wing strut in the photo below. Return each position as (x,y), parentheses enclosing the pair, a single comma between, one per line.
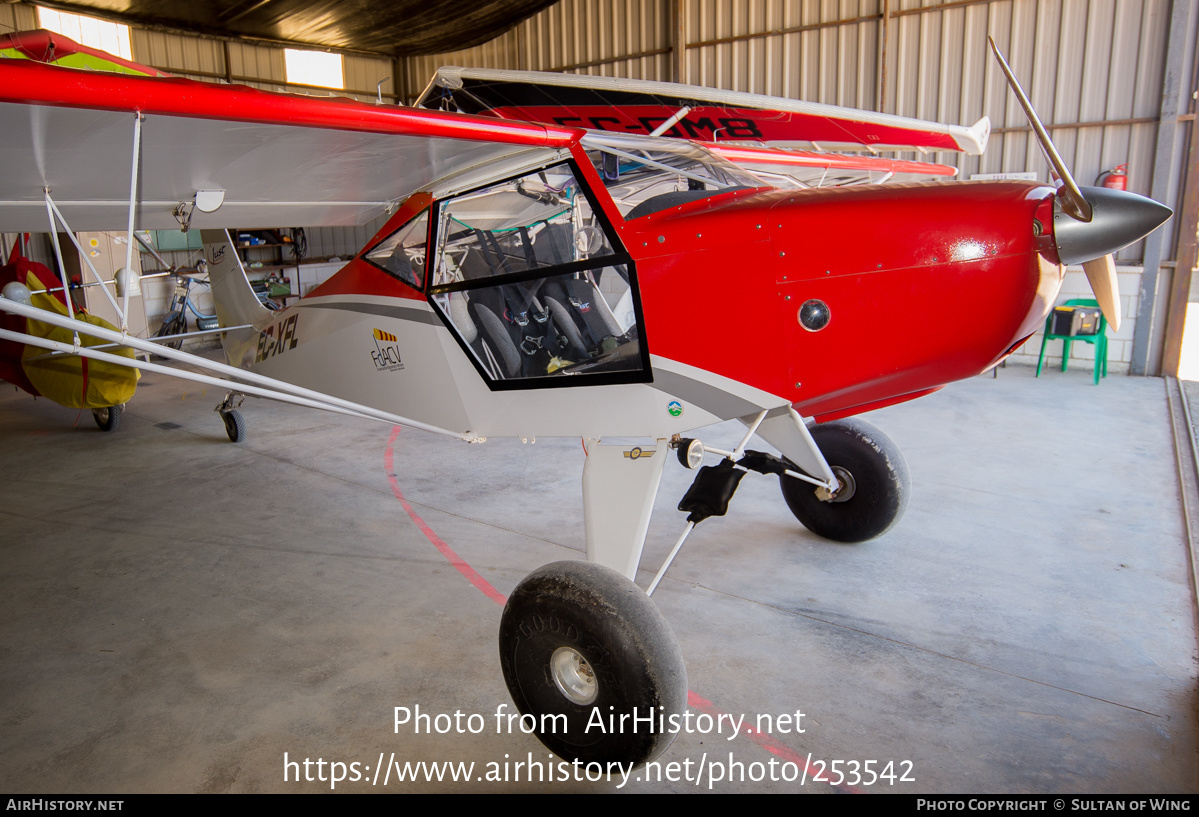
(126,290)
(56,219)
(267,387)
(62,268)
(672,121)
(714,486)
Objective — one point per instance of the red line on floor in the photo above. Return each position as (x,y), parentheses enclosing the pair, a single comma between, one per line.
(460,564)
(764,740)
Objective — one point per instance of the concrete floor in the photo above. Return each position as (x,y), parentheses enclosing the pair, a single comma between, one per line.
(178,612)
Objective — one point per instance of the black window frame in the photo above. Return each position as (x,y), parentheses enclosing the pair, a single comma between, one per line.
(619,257)
(428,243)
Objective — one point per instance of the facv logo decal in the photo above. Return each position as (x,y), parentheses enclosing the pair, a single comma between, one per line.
(276,339)
(675,408)
(638,453)
(387,352)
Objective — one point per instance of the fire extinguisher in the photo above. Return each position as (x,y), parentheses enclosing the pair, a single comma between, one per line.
(1116,178)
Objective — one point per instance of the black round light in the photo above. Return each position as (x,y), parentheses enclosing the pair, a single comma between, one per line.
(814,315)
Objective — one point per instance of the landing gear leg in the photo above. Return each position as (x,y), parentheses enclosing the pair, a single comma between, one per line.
(235,423)
(580,646)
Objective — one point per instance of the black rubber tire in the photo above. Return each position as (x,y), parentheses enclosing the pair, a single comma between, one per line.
(620,633)
(882,484)
(108,418)
(235,425)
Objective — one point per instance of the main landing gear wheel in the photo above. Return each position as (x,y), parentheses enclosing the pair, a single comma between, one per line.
(235,425)
(109,419)
(580,644)
(874,479)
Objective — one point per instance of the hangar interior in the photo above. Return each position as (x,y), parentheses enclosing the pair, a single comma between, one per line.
(182,614)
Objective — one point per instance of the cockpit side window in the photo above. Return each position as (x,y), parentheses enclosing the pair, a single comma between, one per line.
(535,283)
(402,254)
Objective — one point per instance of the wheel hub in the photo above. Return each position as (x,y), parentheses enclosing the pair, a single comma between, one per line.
(846,487)
(573,676)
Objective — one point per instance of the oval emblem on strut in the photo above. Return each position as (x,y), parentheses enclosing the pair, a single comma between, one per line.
(814,315)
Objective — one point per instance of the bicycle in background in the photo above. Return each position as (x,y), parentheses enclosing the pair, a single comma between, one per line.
(175,322)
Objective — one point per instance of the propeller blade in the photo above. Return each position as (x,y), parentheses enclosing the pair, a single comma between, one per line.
(1100,222)
(1073,203)
(1101,273)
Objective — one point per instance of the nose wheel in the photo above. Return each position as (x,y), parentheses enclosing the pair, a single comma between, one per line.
(580,647)
(873,484)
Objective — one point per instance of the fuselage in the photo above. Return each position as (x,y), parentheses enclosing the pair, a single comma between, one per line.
(921,285)
(913,286)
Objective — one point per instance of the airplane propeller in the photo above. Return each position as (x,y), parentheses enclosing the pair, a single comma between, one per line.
(1093,222)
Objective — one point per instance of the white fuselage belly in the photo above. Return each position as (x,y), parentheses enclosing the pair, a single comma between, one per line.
(396,354)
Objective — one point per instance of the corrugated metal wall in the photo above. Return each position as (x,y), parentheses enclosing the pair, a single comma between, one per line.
(259,66)
(622,38)
(186,56)
(15,17)
(1092,67)
(821,52)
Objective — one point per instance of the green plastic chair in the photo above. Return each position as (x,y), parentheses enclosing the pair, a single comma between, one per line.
(1099,339)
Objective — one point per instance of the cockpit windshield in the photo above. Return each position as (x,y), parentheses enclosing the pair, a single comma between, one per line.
(646,175)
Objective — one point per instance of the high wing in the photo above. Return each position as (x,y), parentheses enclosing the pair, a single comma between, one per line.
(642,106)
(278,158)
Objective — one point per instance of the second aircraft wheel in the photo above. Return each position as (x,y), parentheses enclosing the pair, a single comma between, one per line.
(874,478)
(109,418)
(581,645)
(235,425)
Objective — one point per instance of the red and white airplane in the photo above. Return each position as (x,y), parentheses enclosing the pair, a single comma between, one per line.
(562,280)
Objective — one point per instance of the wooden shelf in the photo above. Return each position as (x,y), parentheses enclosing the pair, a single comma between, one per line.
(273,258)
